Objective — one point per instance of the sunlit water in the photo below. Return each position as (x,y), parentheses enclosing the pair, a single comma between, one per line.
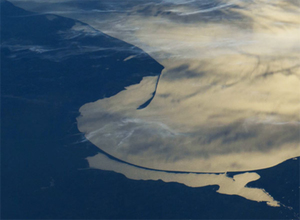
(226,100)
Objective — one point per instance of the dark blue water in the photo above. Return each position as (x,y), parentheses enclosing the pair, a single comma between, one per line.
(43,170)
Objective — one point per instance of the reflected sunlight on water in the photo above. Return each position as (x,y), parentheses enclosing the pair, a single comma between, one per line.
(227,99)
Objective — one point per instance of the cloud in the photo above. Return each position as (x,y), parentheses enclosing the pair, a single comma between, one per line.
(72,42)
